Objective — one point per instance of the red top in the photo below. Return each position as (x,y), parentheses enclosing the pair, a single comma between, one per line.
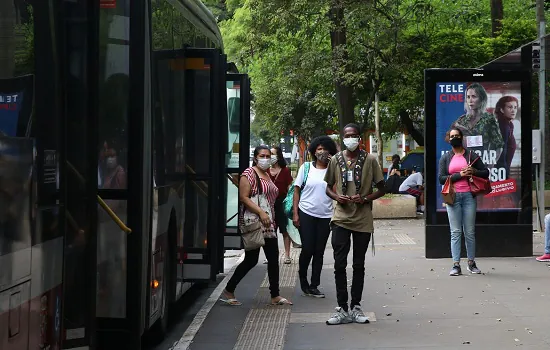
(268,188)
(283,180)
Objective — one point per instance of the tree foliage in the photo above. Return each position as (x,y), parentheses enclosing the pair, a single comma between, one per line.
(287,48)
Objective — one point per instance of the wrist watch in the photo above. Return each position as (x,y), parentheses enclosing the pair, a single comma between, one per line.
(365,199)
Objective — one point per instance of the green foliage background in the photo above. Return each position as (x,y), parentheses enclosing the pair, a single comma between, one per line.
(285,47)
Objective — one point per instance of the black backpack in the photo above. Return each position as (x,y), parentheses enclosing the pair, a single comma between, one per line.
(393,183)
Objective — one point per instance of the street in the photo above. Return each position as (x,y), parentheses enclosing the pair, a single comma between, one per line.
(411,301)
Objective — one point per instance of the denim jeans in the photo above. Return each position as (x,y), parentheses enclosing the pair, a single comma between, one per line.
(341,243)
(547,234)
(462,217)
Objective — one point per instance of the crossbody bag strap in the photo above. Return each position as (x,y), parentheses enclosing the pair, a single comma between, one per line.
(343,171)
(358,170)
(307,165)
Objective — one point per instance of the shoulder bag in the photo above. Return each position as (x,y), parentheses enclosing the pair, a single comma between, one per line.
(448,192)
(478,185)
(252,231)
(288,202)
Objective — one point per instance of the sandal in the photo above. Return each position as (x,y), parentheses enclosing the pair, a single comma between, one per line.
(230,301)
(288,261)
(282,301)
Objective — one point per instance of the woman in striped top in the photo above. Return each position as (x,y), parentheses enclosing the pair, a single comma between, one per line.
(248,188)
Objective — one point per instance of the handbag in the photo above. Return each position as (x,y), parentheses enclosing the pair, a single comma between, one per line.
(288,202)
(479,185)
(448,192)
(252,230)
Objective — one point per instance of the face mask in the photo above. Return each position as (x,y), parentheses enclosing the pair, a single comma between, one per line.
(456,142)
(264,163)
(351,143)
(274,159)
(322,156)
(111,162)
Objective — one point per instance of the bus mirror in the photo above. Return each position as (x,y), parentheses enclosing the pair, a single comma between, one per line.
(234,114)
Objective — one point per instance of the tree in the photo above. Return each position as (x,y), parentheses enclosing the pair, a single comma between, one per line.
(313,64)
(497,15)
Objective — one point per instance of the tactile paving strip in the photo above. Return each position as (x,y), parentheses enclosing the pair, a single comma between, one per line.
(264,329)
(403,238)
(288,273)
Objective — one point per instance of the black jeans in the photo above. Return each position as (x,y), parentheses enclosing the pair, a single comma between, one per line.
(341,243)
(314,233)
(271,250)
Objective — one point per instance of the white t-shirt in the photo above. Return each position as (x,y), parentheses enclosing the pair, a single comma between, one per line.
(313,199)
(411,181)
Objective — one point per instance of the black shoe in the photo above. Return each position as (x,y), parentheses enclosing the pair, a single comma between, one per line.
(455,271)
(314,292)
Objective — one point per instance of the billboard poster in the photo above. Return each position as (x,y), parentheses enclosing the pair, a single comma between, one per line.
(489,115)
(16,96)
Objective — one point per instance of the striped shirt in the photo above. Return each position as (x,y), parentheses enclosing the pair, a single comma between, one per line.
(268,188)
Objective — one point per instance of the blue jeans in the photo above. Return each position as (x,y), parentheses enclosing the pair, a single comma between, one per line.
(547,234)
(462,217)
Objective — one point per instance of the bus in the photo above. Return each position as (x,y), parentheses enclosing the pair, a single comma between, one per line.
(122,131)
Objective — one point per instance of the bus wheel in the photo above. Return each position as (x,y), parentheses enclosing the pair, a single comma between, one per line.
(161,326)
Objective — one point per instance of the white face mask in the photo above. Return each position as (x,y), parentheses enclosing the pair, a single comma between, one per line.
(264,163)
(351,143)
(274,159)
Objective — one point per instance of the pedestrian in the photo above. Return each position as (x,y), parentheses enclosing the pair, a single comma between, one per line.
(248,187)
(281,177)
(546,256)
(414,186)
(460,164)
(349,178)
(394,166)
(312,210)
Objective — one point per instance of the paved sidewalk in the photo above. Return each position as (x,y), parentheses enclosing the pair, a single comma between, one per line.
(412,301)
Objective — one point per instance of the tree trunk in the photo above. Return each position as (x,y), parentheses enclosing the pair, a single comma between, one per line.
(497,14)
(416,134)
(344,93)
(378,132)
(7,39)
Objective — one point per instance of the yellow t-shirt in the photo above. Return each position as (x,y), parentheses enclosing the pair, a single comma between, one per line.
(352,216)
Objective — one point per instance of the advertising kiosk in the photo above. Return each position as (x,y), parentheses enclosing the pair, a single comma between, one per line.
(497,126)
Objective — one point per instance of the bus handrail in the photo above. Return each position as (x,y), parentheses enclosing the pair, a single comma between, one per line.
(102,203)
(113,216)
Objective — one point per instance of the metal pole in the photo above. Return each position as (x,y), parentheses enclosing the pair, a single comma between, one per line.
(542,105)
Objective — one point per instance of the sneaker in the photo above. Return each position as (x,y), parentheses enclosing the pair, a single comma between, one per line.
(314,292)
(340,317)
(545,257)
(357,315)
(455,271)
(473,268)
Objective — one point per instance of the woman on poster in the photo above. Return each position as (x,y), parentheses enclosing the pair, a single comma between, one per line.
(480,128)
(506,110)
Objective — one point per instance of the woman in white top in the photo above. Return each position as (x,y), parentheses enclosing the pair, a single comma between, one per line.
(312,213)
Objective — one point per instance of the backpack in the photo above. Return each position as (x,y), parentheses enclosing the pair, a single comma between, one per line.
(357,170)
(289,199)
(393,183)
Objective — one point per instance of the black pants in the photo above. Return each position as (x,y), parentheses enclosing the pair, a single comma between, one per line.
(341,243)
(271,250)
(314,234)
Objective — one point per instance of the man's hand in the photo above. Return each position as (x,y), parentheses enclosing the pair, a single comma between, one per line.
(357,199)
(343,199)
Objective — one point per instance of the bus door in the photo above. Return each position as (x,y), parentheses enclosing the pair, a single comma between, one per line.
(236,151)
(204,163)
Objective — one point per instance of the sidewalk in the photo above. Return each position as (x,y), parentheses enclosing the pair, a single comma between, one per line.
(412,302)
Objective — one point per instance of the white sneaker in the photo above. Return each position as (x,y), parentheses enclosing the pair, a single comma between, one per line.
(340,317)
(358,316)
